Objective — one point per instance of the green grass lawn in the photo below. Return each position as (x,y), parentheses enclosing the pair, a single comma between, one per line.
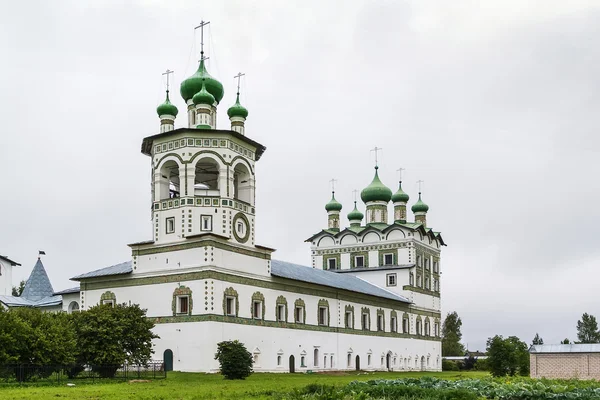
(181,385)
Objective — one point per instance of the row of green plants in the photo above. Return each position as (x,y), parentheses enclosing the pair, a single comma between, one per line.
(439,389)
(103,336)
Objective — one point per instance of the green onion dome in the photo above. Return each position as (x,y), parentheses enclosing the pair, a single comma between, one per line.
(333,204)
(193,84)
(167,108)
(237,110)
(203,96)
(400,195)
(376,191)
(355,214)
(419,206)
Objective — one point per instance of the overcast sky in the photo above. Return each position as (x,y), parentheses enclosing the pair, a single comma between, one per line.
(494,104)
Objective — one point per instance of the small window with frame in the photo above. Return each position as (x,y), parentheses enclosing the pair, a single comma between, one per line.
(109,302)
(299,315)
(170,225)
(388,259)
(323,316)
(206,222)
(393,324)
(230,306)
(331,263)
(359,261)
(390,279)
(257,309)
(380,322)
(365,321)
(349,320)
(183,303)
(281,312)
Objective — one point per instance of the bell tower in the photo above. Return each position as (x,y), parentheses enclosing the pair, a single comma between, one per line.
(203,179)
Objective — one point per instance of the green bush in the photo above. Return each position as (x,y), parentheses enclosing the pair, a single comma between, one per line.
(235,360)
(448,365)
(481,365)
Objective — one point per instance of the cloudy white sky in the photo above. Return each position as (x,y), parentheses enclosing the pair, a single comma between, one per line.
(494,104)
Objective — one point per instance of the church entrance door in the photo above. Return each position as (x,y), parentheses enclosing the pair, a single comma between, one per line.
(292,364)
(357,362)
(168,360)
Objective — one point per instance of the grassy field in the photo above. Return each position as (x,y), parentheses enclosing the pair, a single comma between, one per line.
(181,385)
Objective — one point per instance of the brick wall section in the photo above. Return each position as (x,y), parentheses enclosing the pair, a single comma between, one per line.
(565,366)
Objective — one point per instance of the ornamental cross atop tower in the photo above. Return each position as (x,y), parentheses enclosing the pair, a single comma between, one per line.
(201,26)
(238,76)
(333,181)
(420,183)
(399,170)
(167,73)
(376,150)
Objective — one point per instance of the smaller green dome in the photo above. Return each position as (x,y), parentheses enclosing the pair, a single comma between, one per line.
(237,110)
(400,195)
(333,204)
(167,108)
(376,191)
(355,214)
(193,84)
(203,96)
(419,206)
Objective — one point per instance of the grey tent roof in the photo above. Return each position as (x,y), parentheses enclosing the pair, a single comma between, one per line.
(566,348)
(297,272)
(38,285)
(68,291)
(118,269)
(13,301)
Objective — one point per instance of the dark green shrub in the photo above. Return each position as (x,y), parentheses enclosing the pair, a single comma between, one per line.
(235,360)
(448,365)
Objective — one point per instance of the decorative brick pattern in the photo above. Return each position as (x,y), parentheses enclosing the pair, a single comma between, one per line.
(565,365)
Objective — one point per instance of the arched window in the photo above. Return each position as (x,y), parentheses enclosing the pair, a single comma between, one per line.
(182,301)
(206,180)
(168,185)
(73,307)
(316,358)
(242,180)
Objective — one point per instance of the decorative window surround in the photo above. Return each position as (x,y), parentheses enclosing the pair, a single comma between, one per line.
(349,317)
(380,320)
(299,311)
(258,298)
(323,313)
(181,292)
(365,318)
(231,293)
(281,302)
(108,297)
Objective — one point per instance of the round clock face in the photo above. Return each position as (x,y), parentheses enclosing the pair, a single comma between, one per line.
(241,228)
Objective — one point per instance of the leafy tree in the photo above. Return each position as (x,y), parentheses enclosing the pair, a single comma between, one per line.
(507,356)
(566,341)
(110,336)
(18,290)
(448,365)
(587,329)
(537,340)
(235,360)
(451,336)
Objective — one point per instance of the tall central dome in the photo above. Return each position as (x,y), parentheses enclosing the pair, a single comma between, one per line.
(193,84)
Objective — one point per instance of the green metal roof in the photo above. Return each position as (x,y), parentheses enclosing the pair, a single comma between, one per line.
(237,110)
(193,84)
(419,206)
(203,96)
(400,195)
(167,108)
(333,204)
(376,191)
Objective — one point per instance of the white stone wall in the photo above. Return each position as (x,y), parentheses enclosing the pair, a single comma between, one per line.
(194,344)
(6,278)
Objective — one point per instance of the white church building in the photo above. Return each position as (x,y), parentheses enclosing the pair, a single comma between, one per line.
(370,299)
